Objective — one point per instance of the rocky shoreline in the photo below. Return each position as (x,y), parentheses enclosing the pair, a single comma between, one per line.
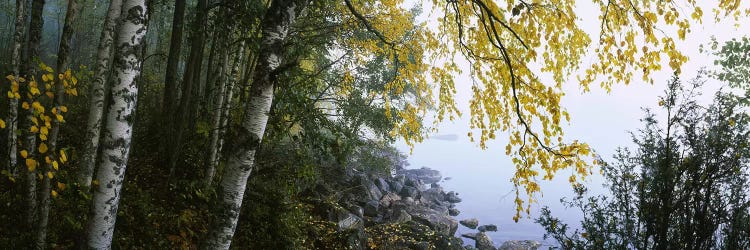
(406,210)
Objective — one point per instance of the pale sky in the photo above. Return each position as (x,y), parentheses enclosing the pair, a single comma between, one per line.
(598,118)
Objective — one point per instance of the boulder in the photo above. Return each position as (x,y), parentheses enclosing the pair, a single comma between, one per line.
(372,208)
(396,186)
(356,210)
(472,236)
(389,199)
(425,174)
(520,245)
(453,212)
(440,222)
(409,191)
(452,197)
(382,185)
(401,216)
(483,242)
(350,221)
(488,228)
(470,223)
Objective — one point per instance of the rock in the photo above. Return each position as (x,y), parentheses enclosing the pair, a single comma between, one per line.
(382,185)
(350,221)
(372,208)
(453,212)
(437,221)
(389,199)
(469,247)
(520,245)
(452,197)
(373,191)
(425,174)
(401,217)
(396,186)
(483,242)
(414,182)
(488,228)
(357,210)
(470,223)
(472,236)
(408,191)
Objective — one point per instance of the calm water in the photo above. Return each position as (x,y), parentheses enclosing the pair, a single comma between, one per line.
(482,179)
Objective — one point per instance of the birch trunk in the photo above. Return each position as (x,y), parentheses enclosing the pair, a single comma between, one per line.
(29,139)
(96,106)
(19,35)
(118,130)
(233,81)
(220,93)
(276,24)
(63,59)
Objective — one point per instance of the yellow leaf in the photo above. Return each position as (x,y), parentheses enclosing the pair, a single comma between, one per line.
(55,165)
(34,129)
(25,105)
(60,118)
(63,109)
(61,186)
(63,157)
(24,154)
(47,160)
(54,194)
(2,123)
(42,148)
(31,164)
(50,175)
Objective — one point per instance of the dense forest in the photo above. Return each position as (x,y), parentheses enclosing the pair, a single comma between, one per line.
(154,124)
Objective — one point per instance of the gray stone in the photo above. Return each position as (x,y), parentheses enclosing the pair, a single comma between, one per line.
(357,210)
(408,191)
(483,242)
(389,199)
(372,208)
(472,236)
(382,185)
(453,212)
(452,197)
(396,186)
(401,217)
(350,221)
(520,245)
(437,221)
(425,174)
(488,228)
(470,223)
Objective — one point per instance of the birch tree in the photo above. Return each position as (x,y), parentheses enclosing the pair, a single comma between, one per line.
(19,36)
(63,59)
(96,107)
(276,24)
(117,134)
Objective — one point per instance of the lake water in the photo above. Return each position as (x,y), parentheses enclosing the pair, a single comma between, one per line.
(482,179)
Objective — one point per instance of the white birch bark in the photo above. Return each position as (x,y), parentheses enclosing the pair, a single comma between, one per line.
(117,134)
(63,59)
(276,24)
(19,36)
(96,106)
(218,103)
(235,77)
